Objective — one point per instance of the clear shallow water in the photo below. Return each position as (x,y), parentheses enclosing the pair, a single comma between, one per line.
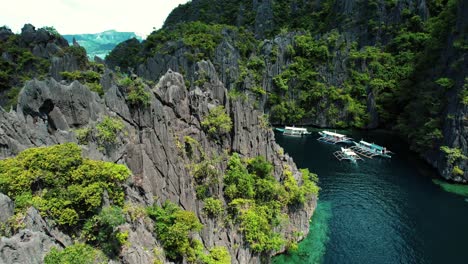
(379,210)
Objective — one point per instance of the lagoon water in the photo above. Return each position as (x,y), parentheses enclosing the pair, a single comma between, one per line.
(378,210)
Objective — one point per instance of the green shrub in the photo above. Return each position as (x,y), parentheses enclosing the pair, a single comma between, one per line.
(217,255)
(237,180)
(453,154)
(213,207)
(217,122)
(255,223)
(457,171)
(206,171)
(445,83)
(90,78)
(122,238)
(60,183)
(138,96)
(83,134)
(260,167)
(135,211)
(108,128)
(126,81)
(75,254)
(100,230)
(257,199)
(12,96)
(95,87)
(173,227)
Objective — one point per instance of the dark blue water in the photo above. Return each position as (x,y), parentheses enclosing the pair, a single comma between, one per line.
(378,210)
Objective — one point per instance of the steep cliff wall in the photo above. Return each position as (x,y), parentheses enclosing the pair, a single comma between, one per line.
(364,64)
(152,146)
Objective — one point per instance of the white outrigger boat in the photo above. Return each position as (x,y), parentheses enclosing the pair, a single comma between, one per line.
(371,150)
(346,154)
(332,137)
(294,131)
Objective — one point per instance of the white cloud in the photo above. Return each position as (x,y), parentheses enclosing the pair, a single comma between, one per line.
(88,16)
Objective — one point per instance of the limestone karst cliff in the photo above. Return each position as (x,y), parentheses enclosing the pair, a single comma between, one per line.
(152,143)
(397,65)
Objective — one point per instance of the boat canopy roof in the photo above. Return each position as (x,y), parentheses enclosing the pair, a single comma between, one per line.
(371,145)
(296,129)
(333,134)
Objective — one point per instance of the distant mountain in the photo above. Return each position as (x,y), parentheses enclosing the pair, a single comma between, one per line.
(100,44)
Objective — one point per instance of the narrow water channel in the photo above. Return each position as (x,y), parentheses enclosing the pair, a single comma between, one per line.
(378,210)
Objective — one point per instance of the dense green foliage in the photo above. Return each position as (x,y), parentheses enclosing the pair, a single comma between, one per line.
(394,75)
(217,122)
(100,230)
(136,94)
(453,154)
(174,228)
(21,64)
(60,183)
(213,207)
(75,254)
(108,129)
(125,54)
(90,78)
(199,40)
(257,199)
(207,177)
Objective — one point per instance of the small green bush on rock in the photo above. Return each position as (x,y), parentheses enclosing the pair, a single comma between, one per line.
(75,254)
(217,122)
(108,128)
(213,207)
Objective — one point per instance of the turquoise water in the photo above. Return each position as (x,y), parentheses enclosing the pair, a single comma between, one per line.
(378,210)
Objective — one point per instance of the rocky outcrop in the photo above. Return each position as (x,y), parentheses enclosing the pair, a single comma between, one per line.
(26,247)
(48,111)
(455,129)
(7,208)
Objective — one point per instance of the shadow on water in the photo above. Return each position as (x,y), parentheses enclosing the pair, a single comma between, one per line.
(378,210)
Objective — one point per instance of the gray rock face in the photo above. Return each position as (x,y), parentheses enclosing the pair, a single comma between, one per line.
(47,112)
(455,129)
(7,208)
(26,247)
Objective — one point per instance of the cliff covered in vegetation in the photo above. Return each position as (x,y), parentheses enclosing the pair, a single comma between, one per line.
(364,64)
(97,165)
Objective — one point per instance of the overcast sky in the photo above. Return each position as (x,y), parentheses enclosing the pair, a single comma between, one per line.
(87,16)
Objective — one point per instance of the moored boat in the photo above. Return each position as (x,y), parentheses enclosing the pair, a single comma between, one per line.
(370,149)
(333,137)
(293,131)
(346,154)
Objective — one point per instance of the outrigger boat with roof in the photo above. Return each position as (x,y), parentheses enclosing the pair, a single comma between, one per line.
(346,154)
(370,150)
(294,131)
(332,137)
